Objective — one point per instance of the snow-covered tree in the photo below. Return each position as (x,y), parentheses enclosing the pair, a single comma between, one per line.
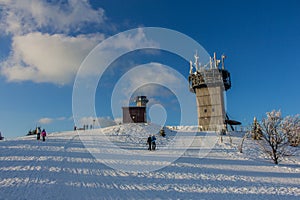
(256,130)
(276,132)
(291,127)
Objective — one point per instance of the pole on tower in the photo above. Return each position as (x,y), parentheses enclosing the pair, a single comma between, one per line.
(223,58)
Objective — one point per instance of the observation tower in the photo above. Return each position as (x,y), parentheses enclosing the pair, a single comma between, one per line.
(209,82)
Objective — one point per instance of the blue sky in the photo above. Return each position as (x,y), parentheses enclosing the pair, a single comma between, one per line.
(42,44)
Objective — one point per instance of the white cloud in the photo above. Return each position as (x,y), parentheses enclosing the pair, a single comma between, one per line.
(47,46)
(45,120)
(47,58)
(49,120)
(42,49)
(131,41)
(24,16)
(61,118)
(145,76)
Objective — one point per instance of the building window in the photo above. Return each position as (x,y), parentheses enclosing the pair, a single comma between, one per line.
(205,110)
(213,110)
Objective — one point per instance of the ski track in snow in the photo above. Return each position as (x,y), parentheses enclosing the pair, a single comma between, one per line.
(62,168)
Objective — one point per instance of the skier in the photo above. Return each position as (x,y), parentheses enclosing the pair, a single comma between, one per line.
(153,141)
(149,141)
(44,134)
(38,133)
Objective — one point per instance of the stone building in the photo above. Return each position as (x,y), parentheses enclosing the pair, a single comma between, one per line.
(136,114)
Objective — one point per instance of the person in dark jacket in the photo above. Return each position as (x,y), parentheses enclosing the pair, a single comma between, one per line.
(149,142)
(38,133)
(153,141)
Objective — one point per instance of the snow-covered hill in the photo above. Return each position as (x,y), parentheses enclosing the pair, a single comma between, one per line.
(71,165)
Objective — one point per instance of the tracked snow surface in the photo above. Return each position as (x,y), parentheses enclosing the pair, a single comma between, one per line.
(63,168)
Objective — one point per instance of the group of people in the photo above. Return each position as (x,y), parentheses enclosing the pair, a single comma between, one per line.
(151,141)
(85,127)
(40,133)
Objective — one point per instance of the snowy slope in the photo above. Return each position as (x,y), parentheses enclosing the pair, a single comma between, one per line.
(65,167)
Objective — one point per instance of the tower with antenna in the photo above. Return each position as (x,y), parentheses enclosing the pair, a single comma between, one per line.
(209,82)
(136,114)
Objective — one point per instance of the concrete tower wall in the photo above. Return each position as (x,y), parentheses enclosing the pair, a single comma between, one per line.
(210,106)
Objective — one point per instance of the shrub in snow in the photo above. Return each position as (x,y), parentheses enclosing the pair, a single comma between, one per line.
(162,132)
(240,147)
(276,132)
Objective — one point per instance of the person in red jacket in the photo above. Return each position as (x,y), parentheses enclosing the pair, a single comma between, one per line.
(44,135)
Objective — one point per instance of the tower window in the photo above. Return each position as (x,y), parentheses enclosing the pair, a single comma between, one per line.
(213,110)
(205,110)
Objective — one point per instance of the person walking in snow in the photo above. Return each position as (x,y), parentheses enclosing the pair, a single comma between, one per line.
(38,133)
(44,135)
(149,142)
(153,142)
